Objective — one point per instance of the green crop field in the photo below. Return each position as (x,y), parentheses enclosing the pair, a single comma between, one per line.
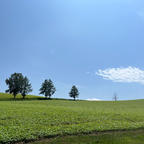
(31,119)
(112,137)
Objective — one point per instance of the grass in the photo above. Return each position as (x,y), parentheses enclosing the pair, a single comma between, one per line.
(29,120)
(120,137)
(9,97)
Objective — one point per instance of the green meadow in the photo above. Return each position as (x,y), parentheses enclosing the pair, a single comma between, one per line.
(112,137)
(35,118)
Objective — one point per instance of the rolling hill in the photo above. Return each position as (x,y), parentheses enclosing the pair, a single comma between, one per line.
(31,119)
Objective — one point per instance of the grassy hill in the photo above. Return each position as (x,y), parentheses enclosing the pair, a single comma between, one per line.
(27,120)
(9,97)
(111,137)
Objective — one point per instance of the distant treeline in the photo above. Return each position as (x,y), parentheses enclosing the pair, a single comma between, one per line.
(19,84)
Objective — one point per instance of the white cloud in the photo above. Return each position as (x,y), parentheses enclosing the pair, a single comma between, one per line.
(93,99)
(127,75)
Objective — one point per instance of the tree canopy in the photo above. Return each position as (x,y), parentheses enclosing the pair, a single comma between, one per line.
(26,87)
(74,93)
(17,83)
(47,88)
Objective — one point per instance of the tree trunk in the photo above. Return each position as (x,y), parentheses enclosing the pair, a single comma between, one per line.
(46,96)
(23,97)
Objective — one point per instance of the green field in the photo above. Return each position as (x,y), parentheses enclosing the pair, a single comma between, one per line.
(31,119)
(113,137)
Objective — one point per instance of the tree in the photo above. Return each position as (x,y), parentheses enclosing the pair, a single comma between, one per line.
(115,97)
(74,93)
(14,84)
(25,87)
(47,88)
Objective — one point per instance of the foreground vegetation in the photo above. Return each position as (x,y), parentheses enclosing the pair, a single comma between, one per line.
(120,137)
(25,120)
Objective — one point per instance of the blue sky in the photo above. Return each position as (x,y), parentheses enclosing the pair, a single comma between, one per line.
(70,41)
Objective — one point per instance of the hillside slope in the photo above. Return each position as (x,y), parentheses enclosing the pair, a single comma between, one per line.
(8,97)
(26,120)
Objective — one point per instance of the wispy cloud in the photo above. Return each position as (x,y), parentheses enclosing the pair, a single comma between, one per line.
(88,72)
(93,99)
(126,75)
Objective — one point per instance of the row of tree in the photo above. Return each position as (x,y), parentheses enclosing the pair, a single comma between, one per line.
(19,84)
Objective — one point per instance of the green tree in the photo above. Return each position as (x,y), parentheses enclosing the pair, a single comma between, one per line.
(74,93)
(47,88)
(25,87)
(14,84)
